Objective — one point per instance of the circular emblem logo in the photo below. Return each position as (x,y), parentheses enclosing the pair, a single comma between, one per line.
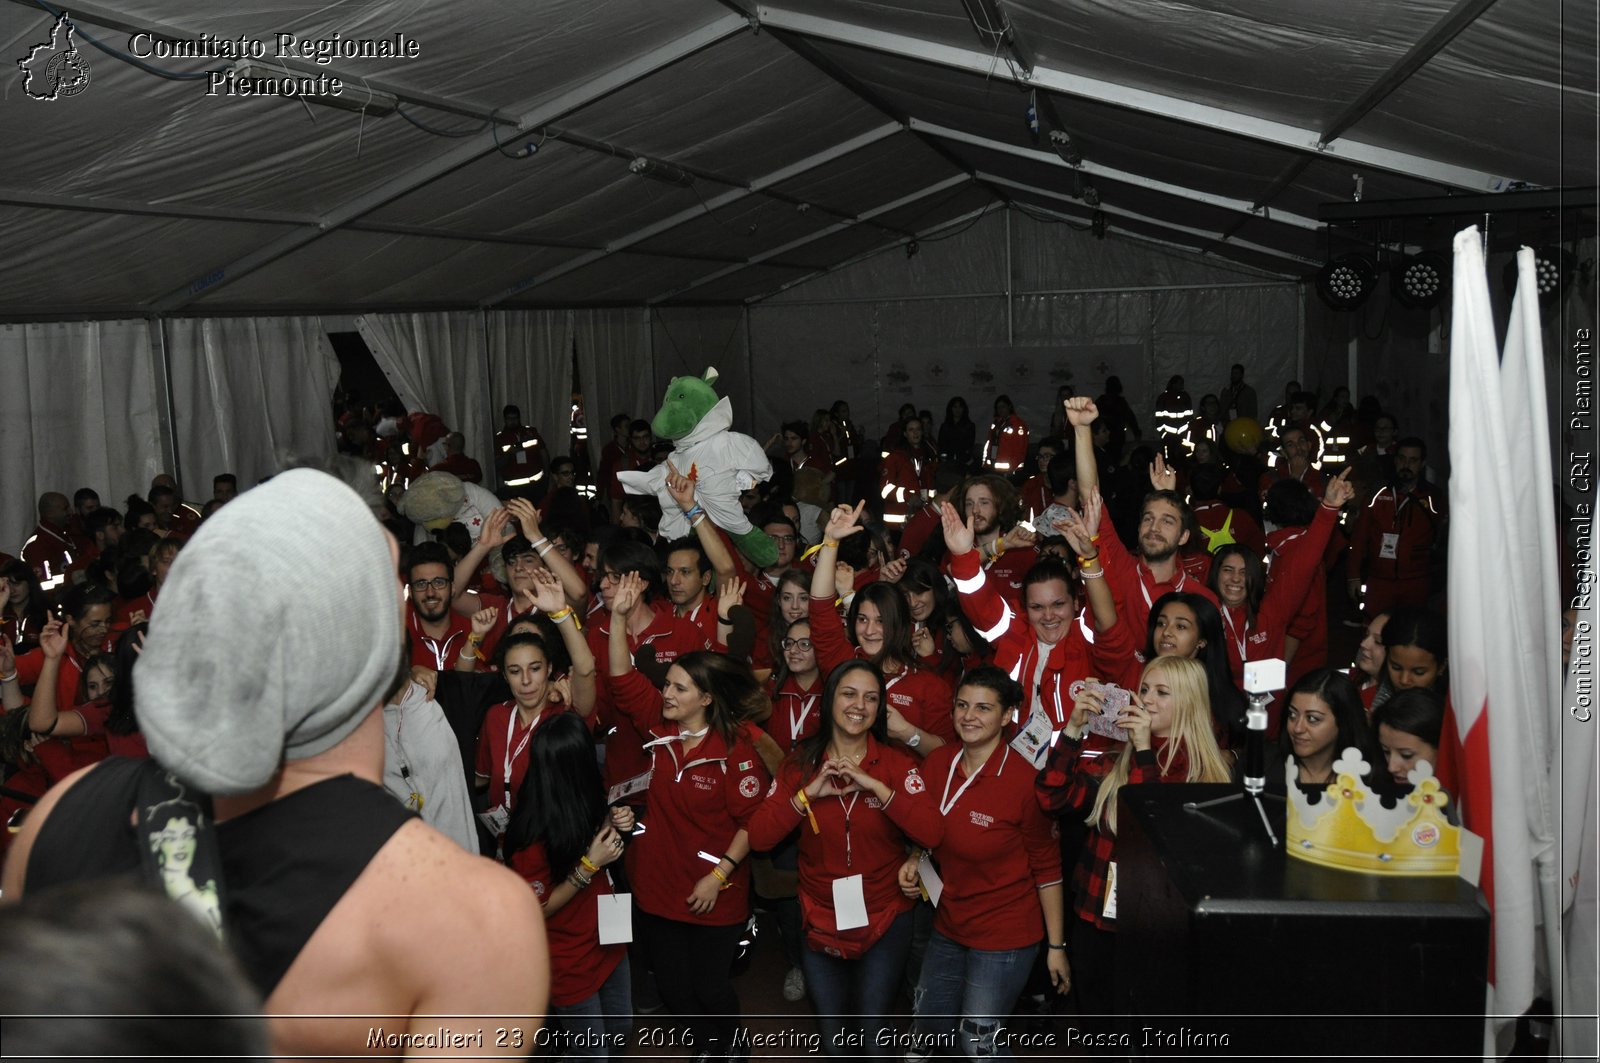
(67,73)
(1425,835)
(749,786)
(914,783)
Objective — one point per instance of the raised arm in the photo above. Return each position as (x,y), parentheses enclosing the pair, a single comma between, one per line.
(1081,413)
(572,584)
(548,596)
(681,488)
(1082,532)
(1296,566)
(43,715)
(827,629)
(10,682)
(496,530)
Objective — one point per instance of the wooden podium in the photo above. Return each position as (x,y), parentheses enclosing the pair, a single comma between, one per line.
(1219,931)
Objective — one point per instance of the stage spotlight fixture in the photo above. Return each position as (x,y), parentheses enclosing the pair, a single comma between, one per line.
(1418,281)
(1098,224)
(1061,141)
(1091,195)
(1345,282)
(1553,269)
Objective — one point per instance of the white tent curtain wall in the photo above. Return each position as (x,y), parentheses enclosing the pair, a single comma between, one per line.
(435,362)
(614,367)
(530,366)
(79,407)
(246,393)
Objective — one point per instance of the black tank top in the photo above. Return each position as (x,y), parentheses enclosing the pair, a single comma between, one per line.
(285,864)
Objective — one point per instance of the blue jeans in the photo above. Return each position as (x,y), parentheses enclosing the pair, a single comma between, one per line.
(864,987)
(596,1027)
(970,993)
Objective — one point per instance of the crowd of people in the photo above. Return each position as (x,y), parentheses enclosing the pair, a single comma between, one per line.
(970,640)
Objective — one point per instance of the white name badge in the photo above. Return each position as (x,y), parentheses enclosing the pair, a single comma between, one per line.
(849,903)
(628,787)
(495,820)
(1389,547)
(1109,909)
(1033,741)
(932,884)
(522,457)
(616,918)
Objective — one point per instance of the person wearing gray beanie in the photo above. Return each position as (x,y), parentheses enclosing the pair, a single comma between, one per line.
(278,638)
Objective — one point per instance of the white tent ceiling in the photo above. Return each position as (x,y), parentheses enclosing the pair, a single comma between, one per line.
(817,131)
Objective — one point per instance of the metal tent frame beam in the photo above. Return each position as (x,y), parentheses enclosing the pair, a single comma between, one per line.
(532,115)
(1093,169)
(1280,134)
(771,255)
(1170,226)
(705,207)
(890,246)
(1171,245)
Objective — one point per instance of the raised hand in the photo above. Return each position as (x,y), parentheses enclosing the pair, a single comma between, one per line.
(547,592)
(483,621)
(1018,537)
(630,587)
(1339,490)
(53,639)
(497,527)
(844,521)
(922,641)
(958,535)
(680,487)
(892,572)
(1163,477)
(730,594)
(527,516)
(1081,411)
(844,577)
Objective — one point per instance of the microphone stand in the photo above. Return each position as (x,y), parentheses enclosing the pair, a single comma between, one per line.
(1255,764)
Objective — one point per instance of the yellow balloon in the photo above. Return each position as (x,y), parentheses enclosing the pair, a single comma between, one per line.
(1243,435)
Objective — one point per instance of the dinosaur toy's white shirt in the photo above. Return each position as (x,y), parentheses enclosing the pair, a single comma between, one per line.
(726,464)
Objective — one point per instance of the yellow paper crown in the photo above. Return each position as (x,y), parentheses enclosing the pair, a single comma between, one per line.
(1351,829)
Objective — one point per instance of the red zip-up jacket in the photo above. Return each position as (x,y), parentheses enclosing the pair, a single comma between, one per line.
(1135,588)
(698,801)
(1080,654)
(1414,519)
(1293,574)
(922,697)
(998,850)
(856,835)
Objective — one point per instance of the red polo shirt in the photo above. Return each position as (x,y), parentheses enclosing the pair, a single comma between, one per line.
(579,964)
(438,654)
(999,849)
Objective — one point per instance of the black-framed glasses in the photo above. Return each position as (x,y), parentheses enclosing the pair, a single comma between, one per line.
(437,583)
(790,539)
(796,644)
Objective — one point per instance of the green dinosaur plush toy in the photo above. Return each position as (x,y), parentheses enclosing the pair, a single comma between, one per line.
(722,464)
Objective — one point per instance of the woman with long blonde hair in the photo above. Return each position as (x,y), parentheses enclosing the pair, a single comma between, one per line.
(1170,739)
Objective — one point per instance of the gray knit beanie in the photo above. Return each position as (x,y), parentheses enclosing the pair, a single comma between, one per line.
(277,633)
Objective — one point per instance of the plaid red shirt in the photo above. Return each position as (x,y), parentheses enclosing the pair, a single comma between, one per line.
(1068,785)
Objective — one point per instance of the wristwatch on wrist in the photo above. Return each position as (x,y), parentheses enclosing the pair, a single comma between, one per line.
(916,738)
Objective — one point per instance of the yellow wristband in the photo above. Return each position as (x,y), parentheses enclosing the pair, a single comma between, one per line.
(589,865)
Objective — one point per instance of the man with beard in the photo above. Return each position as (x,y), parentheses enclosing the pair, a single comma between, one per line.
(1006,550)
(436,631)
(1165,524)
(1395,535)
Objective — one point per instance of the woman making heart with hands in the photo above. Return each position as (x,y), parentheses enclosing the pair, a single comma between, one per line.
(857,799)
